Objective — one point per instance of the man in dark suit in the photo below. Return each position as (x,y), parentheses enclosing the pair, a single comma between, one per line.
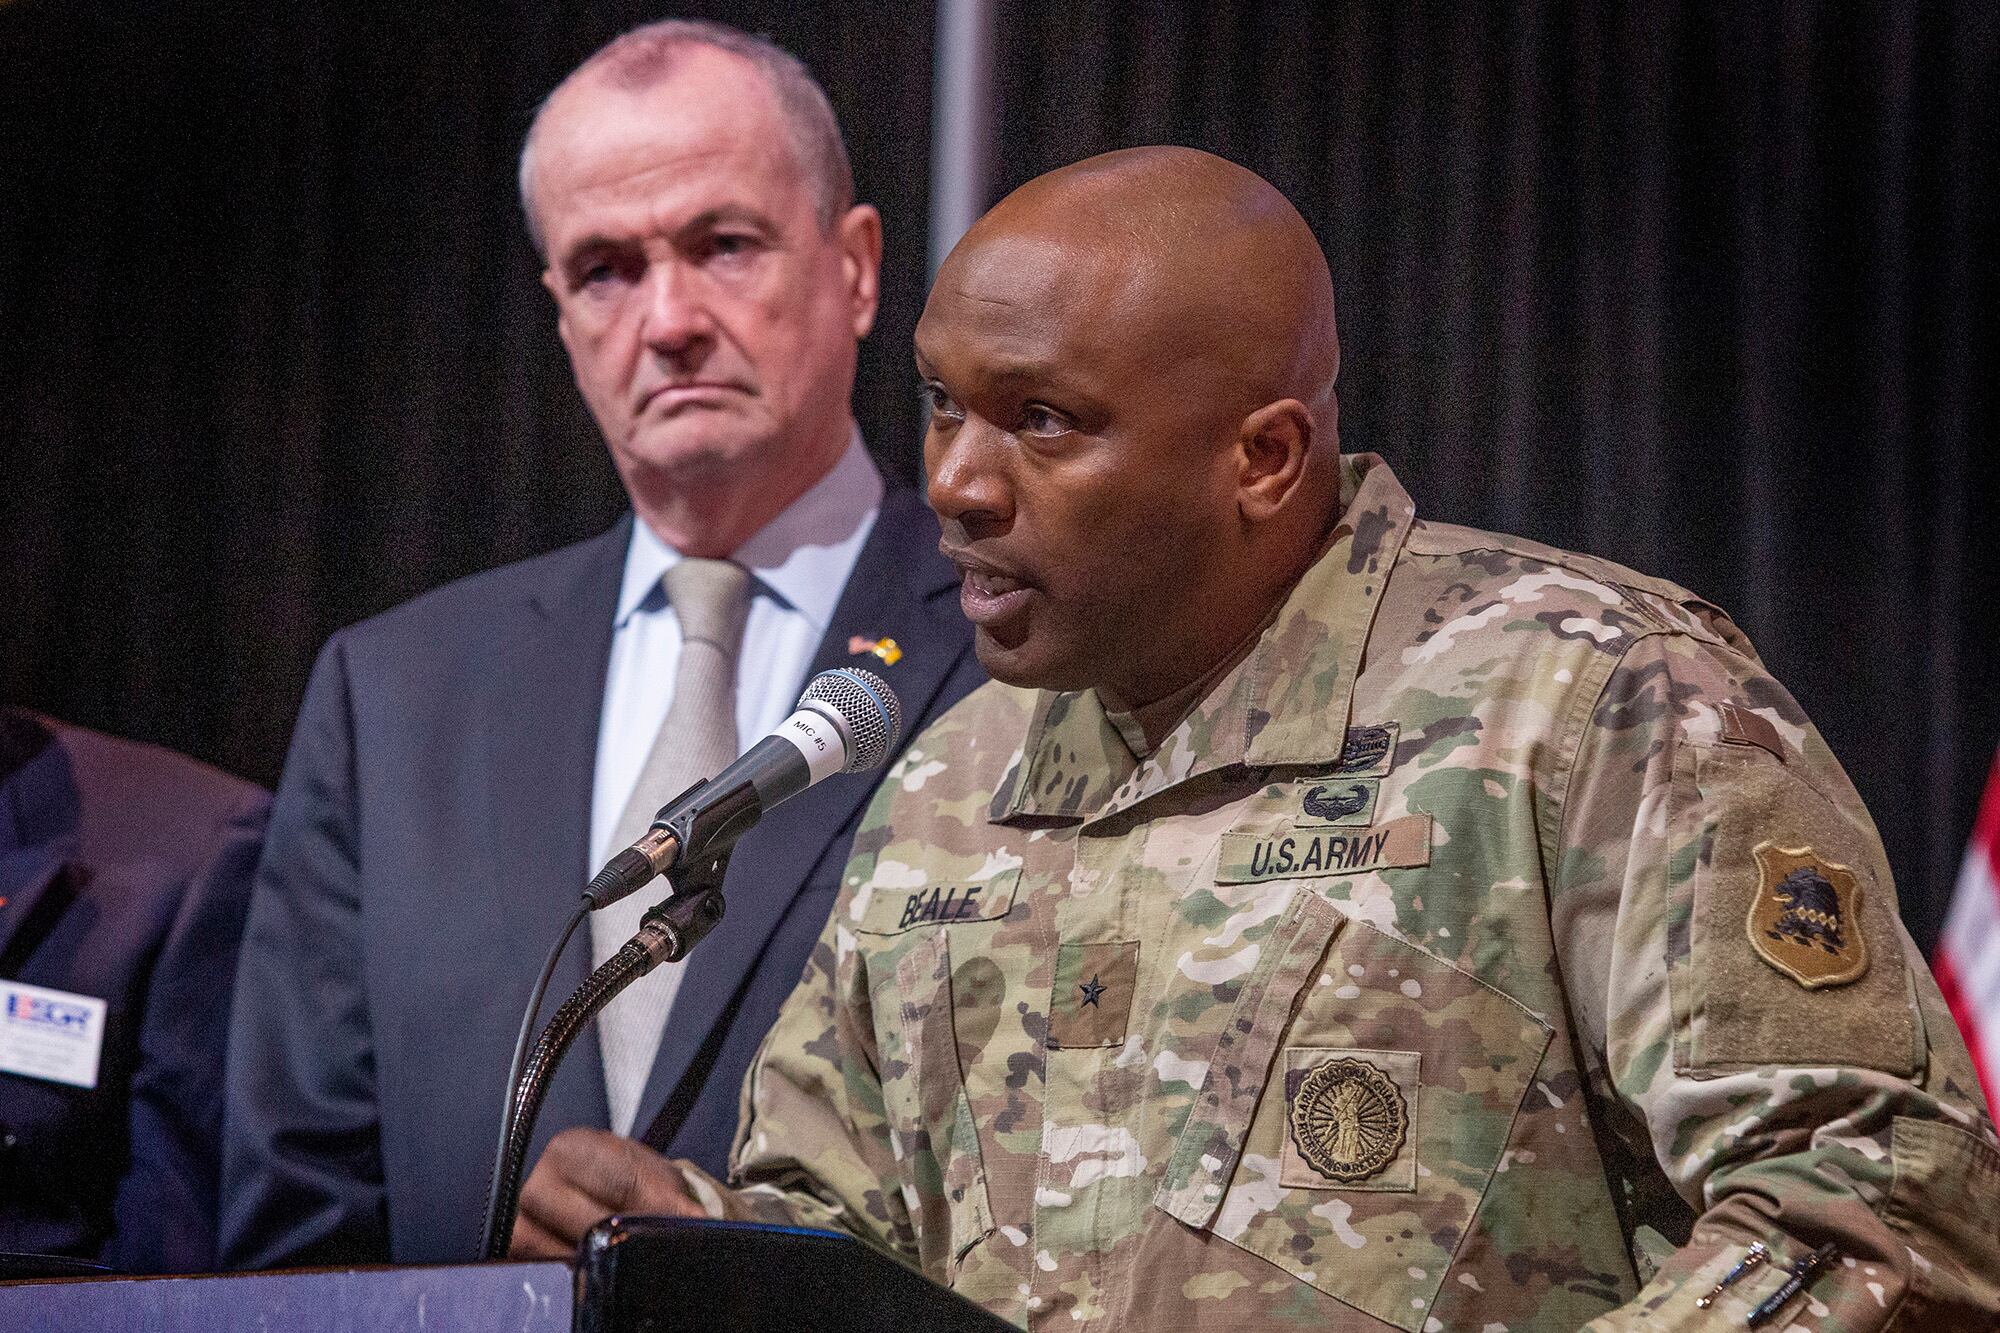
(124,873)
(462,762)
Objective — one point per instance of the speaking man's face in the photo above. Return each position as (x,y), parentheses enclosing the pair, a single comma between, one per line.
(1077,457)
(710,321)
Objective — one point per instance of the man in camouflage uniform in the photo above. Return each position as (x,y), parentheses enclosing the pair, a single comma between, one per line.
(1379,924)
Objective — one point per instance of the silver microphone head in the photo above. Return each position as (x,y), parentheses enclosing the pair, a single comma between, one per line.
(866,708)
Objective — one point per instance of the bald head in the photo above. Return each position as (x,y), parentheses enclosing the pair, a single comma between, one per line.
(1209,254)
(1131,366)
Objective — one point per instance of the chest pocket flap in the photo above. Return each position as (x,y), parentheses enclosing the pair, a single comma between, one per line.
(1354,1113)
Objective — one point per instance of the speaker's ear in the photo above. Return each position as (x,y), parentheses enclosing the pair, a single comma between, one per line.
(1272,447)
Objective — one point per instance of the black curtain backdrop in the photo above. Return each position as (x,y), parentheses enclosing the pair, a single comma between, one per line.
(273,351)
(1707,290)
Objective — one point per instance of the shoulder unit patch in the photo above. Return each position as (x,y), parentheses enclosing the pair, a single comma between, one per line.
(1805,919)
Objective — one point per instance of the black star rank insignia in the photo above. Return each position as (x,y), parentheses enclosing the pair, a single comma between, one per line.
(1091,997)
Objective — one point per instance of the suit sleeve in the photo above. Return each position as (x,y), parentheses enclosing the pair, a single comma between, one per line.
(302,1168)
(1769,1056)
(165,1206)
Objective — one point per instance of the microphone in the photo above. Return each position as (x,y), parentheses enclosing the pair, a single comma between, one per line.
(847,721)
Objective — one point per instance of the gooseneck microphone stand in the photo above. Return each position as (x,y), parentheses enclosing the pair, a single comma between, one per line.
(666,934)
(846,722)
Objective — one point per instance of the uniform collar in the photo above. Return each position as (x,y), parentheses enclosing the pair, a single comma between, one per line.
(1285,703)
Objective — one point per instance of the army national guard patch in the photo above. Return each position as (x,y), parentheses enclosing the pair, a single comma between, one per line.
(1346,1119)
(1806,918)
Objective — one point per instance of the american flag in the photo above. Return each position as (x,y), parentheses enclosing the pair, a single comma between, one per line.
(1967,960)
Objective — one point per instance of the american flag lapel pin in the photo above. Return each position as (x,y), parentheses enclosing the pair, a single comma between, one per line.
(885,648)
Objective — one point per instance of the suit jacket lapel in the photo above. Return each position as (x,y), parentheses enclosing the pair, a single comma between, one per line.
(27,874)
(544,716)
(38,812)
(895,590)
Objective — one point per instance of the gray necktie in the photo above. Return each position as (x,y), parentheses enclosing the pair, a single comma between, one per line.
(711,599)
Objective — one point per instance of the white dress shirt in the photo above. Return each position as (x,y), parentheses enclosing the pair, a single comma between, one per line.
(799,564)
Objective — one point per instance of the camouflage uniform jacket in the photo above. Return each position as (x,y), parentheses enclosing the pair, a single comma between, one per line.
(1496,947)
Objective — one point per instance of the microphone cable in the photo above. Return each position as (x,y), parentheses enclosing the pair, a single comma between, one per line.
(521,1040)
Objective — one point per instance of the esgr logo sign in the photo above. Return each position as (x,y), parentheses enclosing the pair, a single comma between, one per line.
(46,1012)
(52,1034)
